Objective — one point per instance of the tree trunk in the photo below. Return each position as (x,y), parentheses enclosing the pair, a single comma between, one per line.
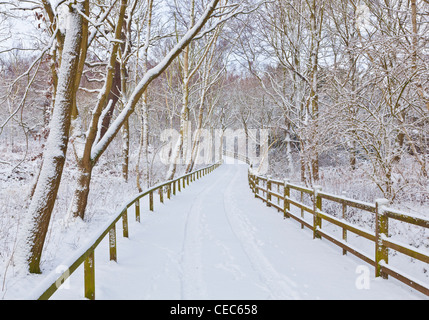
(81,193)
(288,140)
(125,149)
(146,162)
(144,137)
(315,13)
(113,96)
(111,90)
(56,147)
(143,147)
(182,143)
(196,142)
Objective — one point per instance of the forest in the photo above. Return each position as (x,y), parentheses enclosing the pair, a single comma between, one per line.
(89,88)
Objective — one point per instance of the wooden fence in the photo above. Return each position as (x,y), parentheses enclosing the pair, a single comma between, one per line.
(266,189)
(87,257)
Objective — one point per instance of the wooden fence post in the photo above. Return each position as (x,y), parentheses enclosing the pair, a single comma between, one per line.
(89,276)
(381,231)
(256,186)
(317,221)
(161,194)
(137,207)
(286,196)
(268,191)
(248,178)
(302,210)
(151,201)
(344,215)
(125,223)
(112,243)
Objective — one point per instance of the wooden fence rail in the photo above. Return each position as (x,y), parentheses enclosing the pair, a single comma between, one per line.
(263,188)
(53,282)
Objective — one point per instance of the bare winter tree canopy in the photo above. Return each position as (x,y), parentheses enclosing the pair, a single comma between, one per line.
(93,92)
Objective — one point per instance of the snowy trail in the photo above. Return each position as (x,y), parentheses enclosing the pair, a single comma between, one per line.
(214,240)
(277,285)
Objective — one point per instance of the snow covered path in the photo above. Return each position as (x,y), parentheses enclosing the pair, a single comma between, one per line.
(214,240)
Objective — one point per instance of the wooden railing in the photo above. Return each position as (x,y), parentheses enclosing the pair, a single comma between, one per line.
(46,289)
(266,189)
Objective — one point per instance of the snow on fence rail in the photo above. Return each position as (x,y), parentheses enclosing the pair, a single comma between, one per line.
(52,282)
(380,237)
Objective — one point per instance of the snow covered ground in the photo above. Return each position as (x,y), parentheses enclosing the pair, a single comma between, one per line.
(214,240)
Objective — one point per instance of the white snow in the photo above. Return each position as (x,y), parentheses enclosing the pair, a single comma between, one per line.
(214,240)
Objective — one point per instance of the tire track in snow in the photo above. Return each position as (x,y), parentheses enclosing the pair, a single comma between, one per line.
(192,281)
(193,284)
(278,285)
